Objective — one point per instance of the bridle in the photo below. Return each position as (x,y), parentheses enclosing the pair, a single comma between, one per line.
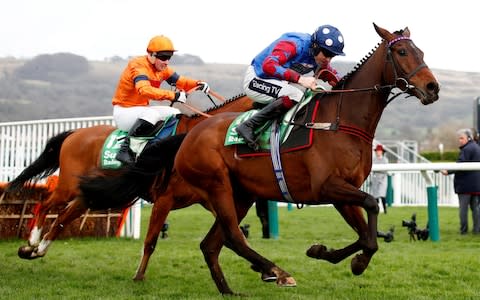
(400,82)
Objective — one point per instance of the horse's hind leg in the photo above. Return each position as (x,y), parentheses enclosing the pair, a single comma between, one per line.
(211,247)
(56,199)
(160,210)
(235,240)
(73,210)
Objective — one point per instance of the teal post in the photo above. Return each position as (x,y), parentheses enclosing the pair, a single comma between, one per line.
(290,206)
(273,219)
(389,191)
(433,213)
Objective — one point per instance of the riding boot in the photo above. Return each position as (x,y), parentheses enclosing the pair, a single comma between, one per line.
(140,128)
(273,110)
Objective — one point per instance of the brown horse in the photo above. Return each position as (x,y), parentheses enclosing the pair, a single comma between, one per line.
(330,171)
(77,152)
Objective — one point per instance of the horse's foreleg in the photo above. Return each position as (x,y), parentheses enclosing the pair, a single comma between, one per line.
(367,231)
(160,210)
(360,262)
(349,201)
(333,256)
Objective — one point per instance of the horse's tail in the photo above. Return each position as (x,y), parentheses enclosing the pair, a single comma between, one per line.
(45,165)
(154,165)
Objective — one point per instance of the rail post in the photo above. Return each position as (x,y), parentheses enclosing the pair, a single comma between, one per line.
(389,197)
(273,219)
(433,226)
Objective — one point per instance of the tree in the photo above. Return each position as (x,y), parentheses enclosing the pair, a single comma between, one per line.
(53,67)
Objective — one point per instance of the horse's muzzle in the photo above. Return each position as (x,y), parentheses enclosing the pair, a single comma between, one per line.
(429,94)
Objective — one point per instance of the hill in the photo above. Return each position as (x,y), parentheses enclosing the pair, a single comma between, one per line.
(66,85)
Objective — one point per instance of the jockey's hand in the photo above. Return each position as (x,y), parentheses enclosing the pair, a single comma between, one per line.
(308,82)
(180,97)
(203,86)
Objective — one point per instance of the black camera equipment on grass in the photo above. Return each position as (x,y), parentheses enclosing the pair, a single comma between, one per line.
(421,234)
(387,236)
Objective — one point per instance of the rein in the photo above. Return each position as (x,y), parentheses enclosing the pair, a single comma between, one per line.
(196,110)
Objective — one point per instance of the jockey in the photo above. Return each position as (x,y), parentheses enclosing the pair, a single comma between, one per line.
(278,76)
(140,83)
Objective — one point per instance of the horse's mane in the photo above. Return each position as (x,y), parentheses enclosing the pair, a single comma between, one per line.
(362,62)
(356,67)
(226,102)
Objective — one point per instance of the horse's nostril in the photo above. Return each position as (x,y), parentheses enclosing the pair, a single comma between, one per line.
(433,86)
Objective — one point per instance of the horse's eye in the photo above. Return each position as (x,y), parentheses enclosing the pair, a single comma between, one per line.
(402,52)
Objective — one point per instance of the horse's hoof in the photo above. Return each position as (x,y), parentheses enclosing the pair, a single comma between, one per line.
(138,277)
(316,251)
(269,277)
(266,277)
(359,264)
(286,282)
(26,252)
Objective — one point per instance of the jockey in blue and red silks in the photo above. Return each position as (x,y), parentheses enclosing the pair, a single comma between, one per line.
(278,75)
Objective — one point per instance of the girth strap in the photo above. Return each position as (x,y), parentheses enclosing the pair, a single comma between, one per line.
(277,162)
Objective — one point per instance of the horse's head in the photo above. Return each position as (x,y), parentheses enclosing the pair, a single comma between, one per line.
(409,72)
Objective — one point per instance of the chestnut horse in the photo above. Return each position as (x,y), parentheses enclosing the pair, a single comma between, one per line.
(330,171)
(77,152)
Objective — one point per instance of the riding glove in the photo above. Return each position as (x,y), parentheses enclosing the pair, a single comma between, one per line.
(203,86)
(180,97)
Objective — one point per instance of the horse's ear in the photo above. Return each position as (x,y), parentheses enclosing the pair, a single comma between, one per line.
(406,32)
(383,33)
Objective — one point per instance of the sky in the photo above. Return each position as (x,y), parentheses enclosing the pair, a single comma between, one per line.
(225,31)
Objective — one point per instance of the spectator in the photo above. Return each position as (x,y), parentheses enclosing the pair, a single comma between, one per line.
(380,179)
(467,183)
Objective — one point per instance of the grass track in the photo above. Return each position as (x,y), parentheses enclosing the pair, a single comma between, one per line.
(102,268)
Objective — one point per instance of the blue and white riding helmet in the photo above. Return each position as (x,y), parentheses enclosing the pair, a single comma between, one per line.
(329,38)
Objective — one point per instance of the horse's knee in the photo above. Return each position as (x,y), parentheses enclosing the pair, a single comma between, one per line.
(371,204)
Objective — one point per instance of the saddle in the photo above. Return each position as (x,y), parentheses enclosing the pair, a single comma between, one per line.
(292,137)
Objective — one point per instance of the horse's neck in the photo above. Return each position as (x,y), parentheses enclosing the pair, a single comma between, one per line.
(364,109)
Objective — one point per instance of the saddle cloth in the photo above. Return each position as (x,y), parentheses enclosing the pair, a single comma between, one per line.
(137,144)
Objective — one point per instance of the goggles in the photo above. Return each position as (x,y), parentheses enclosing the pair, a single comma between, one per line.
(163,57)
(327,53)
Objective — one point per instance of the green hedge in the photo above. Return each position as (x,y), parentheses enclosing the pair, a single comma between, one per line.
(449,156)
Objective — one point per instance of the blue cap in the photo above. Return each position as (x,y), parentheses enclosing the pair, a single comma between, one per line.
(330,38)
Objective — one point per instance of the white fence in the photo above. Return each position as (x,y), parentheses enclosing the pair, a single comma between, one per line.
(410,188)
(22,142)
